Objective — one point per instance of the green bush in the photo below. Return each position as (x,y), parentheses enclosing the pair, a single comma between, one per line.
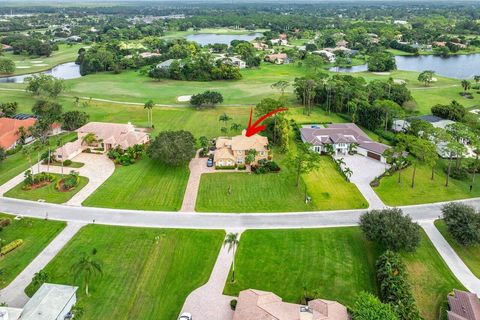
(233,304)
(68,182)
(225,167)
(369,307)
(459,173)
(17,148)
(11,246)
(67,163)
(242,167)
(5,222)
(463,222)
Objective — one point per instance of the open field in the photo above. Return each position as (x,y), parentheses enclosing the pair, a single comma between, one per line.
(469,254)
(36,235)
(430,278)
(425,190)
(147,273)
(336,262)
(26,64)
(145,185)
(47,193)
(276,192)
(17,163)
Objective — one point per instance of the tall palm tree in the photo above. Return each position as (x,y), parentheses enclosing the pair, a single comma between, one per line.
(236,127)
(89,138)
(466,85)
(149,106)
(348,173)
(225,118)
(86,268)
(232,240)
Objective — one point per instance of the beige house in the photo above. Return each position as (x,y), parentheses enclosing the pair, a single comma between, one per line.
(233,151)
(108,136)
(277,58)
(255,304)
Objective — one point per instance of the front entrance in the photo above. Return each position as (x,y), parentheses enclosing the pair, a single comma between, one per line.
(374,156)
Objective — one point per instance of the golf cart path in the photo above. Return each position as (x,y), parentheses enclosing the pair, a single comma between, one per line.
(13,295)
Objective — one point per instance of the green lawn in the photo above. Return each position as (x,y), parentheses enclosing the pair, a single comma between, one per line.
(17,163)
(145,185)
(276,192)
(147,273)
(469,254)
(25,64)
(425,190)
(36,234)
(47,193)
(430,278)
(337,262)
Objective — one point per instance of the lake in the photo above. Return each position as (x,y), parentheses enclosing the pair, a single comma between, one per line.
(459,66)
(65,71)
(211,38)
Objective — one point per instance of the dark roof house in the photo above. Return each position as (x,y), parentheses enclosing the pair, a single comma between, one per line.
(463,306)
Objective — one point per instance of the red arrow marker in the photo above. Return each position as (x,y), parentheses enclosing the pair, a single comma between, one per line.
(253,129)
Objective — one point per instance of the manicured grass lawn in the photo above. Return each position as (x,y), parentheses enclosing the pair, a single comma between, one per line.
(276,192)
(64,54)
(145,185)
(147,273)
(17,163)
(36,235)
(430,278)
(425,190)
(72,165)
(47,193)
(337,262)
(469,254)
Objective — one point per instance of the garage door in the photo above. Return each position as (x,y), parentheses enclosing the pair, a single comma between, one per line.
(374,156)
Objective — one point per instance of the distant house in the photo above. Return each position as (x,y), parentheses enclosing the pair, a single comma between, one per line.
(9,137)
(277,58)
(74,39)
(233,151)
(146,55)
(232,60)
(166,64)
(255,304)
(279,42)
(400,22)
(282,36)
(342,43)
(108,136)
(341,136)
(330,56)
(260,46)
(6,48)
(50,302)
(439,44)
(463,306)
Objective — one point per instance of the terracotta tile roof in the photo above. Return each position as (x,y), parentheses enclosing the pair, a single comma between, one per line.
(9,128)
(463,306)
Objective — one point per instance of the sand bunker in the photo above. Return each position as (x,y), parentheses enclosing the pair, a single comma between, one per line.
(23,67)
(184,98)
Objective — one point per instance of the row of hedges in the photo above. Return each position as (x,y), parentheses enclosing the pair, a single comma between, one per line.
(11,246)
(265,166)
(32,180)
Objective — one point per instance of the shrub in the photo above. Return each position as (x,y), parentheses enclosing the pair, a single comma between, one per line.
(31,180)
(233,304)
(11,246)
(70,181)
(459,173)
(67,163)
(463,222)
(391,228)
(265,166)
(5,222)
(369,307)
(225,167)
(242,167)
(394,287)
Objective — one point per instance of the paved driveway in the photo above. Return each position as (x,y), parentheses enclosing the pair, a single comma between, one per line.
(364,171)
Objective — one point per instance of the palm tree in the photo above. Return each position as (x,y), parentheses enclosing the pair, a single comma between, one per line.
(89,138)
(476,78)
(149,106)
(329,149)
(348,173)
(352,148)
(231,240)
(466,85)
(340,162)
(225,118)
(236,127)
(87,267)
(22,134)
(39,278)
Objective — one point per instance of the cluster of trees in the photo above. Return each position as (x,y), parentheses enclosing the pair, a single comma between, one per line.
(201,67)
(6,65)
(381,62)
(453,111)
(173,148)
(247,52)
(206,99)
(43,84)
(403,47)
(463,223)
(29,45)
(278,128)
(8,109)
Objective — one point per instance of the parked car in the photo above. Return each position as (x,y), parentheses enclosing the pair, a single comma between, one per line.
(185,316)
(210,162)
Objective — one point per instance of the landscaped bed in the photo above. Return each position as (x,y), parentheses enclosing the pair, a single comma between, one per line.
(146,185)
(469,254)
(36,235)
(337,262)
(141,267)
(49,191)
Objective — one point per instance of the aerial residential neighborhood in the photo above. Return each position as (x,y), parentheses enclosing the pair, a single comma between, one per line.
(232,160)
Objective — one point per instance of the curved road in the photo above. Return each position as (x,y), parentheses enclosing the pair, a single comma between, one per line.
(195,220)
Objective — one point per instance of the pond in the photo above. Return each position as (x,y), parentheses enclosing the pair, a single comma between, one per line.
(65,71)
(459,66)
(211,38)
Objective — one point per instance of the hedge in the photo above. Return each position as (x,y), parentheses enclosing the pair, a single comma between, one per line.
(11,246)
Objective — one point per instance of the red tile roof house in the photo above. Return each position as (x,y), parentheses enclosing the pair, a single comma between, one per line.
(9,131)
(463,306)
(341,135)
(261,305)
(108,135)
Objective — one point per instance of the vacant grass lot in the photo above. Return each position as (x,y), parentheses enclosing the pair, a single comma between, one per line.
(276,192)
(47,193)
(147,273)
(469,254)
(145,185)
(425,190)
(336,262)
(24,64)
(36,234)
(17,163)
